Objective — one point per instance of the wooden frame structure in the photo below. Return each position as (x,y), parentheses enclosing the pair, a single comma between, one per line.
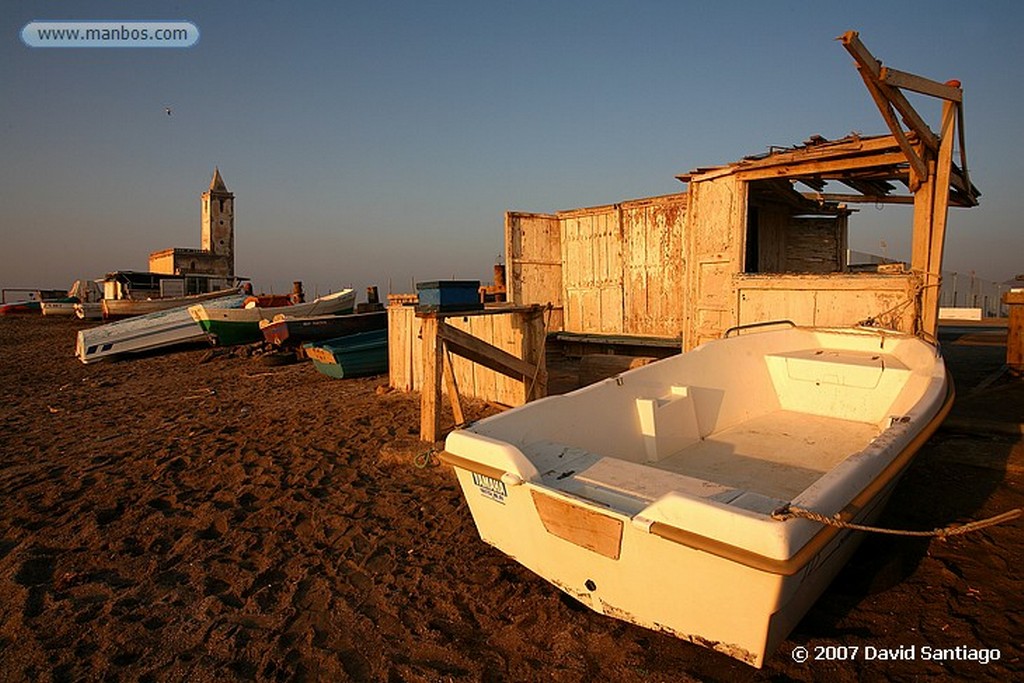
(441,340)
(872,168)
(759,239)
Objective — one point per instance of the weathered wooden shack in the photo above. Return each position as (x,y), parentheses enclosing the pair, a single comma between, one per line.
(761,239)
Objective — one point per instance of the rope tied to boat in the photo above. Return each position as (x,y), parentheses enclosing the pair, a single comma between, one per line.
(790,511)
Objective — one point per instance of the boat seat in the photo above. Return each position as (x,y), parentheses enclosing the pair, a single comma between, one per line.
(640,483)
(852,385)
(668,424)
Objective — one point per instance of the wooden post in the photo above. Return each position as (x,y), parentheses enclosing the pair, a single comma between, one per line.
(440,341)
(930,216)
(430,391)
(453,388)
(1014,300)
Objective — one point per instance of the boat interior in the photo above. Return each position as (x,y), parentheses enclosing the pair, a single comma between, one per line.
(751,424)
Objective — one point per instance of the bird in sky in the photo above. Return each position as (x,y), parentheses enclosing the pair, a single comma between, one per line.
(168,110)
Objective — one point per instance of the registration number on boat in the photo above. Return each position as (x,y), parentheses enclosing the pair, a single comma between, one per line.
(490,487)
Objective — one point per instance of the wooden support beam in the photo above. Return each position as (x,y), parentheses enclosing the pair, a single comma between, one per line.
(925,86)
(918,169)
(859,198)
(939,215)
(479,351)
(453,388)
(810,168)
(871,70)
(920,245)
(430,392)
(969,189)
(1015,330)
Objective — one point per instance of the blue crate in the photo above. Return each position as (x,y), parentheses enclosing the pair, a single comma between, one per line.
(448,296)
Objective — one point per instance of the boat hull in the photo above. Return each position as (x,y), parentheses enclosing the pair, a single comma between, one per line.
(356,355)
(59,308)
(294,332)
(242,326)
(20,308)
(118,309)
(687,544)
(145,333)
(231,331)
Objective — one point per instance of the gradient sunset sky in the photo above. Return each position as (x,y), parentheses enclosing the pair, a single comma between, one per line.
(381,142)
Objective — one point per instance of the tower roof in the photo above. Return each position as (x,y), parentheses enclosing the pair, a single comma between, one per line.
(217,183)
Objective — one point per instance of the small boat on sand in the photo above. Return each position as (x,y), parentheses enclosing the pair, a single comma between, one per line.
(142,333)
(59,307)
(81,292)
(227,327)
(34,304)
(656,496)
(287,331)
(117,309)
(354,355)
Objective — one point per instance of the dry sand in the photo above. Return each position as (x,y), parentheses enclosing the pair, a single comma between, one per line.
(167,518)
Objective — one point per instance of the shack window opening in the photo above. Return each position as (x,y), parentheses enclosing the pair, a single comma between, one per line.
(786,233)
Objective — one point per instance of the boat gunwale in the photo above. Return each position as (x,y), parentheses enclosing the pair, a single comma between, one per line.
(803,557)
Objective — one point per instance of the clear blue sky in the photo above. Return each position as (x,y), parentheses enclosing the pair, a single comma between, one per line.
(382,141)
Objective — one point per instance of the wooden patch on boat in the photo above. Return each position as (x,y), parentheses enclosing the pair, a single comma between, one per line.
(322,355)
(585,528)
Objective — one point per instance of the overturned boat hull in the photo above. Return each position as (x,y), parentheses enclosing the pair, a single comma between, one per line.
(650,496)
(145,333)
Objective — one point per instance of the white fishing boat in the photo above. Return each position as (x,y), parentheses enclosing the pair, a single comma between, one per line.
(59,308)
(81,294)
(242,326)
(656,496)
(115,309)
(146,332)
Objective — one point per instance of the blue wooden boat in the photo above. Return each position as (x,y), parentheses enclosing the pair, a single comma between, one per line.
(354,355)
(289,332)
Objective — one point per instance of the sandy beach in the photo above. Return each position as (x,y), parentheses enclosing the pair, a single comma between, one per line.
(202,516)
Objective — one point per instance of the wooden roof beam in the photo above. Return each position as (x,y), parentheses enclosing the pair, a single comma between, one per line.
(918,84)
(872,68)
(859,198)
(816,167)
(868,186)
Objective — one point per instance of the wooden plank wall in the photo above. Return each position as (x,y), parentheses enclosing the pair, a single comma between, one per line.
(592,270)
(533,256)
(655,274)
(519,333)
(815,245)
(828,300)
(794,244)
(623,270)
(716,220)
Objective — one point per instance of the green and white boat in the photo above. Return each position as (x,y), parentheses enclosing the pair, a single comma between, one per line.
(228,327)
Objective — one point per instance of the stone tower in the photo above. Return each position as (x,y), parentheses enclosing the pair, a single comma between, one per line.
(218,221)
